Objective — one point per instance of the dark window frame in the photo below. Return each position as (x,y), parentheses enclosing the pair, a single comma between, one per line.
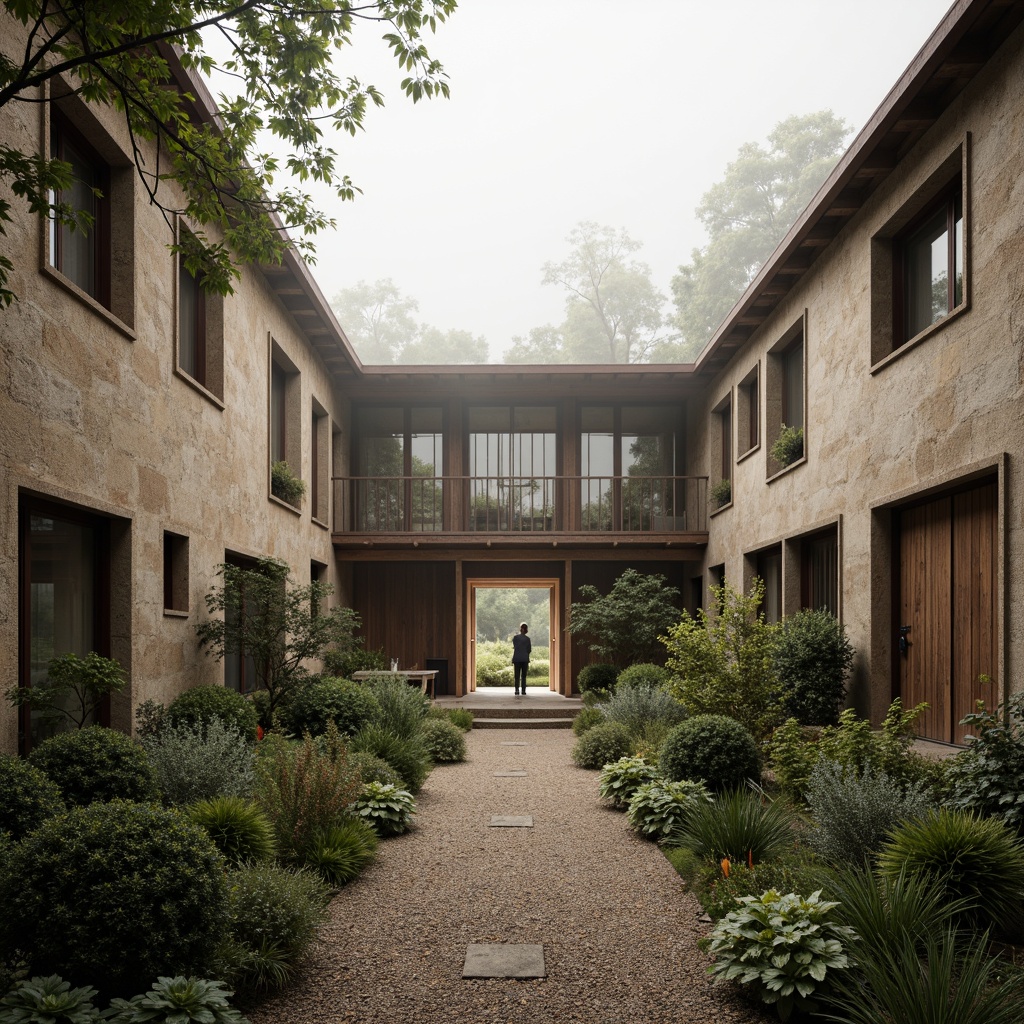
(198,325)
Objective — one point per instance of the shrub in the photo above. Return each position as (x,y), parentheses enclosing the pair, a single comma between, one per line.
(659,807)
(597,677)
(645,674)
(305,790)
(342,662)
(647,714)
(740,825)
(272,916)
(340,853)
(989,775)
(788,446)
(459,717)
(621,779)
(403,708)
(601,745)
(48,1001)
(595,698)
(792,755)
(178,1001)
(712,748)
(812,658)
(387,809)
(445,742)
(783,944)
(27,797)
(722,664)
(408,756)
(373,769)
(349,705)
(854,812)
(193,761)
(973,858)
(721,493)
(284,484)
(494,669)
(117,894)
(96,764)
(202,704)
(587,719)
(238,828)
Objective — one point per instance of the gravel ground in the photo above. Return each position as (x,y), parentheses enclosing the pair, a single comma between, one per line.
(618,929)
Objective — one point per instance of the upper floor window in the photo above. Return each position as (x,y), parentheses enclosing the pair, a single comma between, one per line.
(191,325)
(285,429)
(785,399)
(793,385)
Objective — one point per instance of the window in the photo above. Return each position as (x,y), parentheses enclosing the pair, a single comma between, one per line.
(200,332)
(726,427)
(769,568)
(319,463)
(748,413)
(721,454)
(785,399)
(716,580)
(285,429)
(819,571)
(175,572)
(239,664)
(82,253)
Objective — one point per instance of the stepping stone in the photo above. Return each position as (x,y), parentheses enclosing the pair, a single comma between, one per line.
(511,821)
(514,743)
(504,960)
(514,774)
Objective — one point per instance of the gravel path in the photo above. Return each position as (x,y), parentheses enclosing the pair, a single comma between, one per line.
(619,931)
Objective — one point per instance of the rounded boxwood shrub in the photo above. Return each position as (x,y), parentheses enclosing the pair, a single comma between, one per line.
(601,745)
(597,677)
(349,705)
(27,797)
(372,768)
(238,828)
(587,719)
(445,741)
(96,764)
(712,748)
(408,756)
(116,895)
(201,704)
(646,675)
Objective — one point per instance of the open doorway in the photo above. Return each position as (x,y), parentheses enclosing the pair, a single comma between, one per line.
(496,610)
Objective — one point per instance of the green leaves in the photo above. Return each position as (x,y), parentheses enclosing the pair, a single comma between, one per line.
(387,808)
(48,1001)
(178,1001)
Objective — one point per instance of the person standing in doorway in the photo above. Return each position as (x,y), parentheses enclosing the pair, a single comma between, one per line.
(521,657)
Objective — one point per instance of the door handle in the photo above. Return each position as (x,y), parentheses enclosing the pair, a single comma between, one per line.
(903,643)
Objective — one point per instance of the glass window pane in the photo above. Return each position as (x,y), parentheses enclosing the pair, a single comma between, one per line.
(188,321)
(926,294)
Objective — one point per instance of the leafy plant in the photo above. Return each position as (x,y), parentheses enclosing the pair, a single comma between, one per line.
(976,859)
(740,825)
(812,658)
(373,769)
(49,1000)
(657,808)
(284,484)
(349,705)
(74,689)
(388,809)
(27,797)
(712,748)
(89,885)
(718,885)
(445,741)
(459,717)
(238,828)
(407,755)
(597,677)
(586,719)
(150,716)
(788,446)
(855,811)
(178,1000)
(402,708)
(792,755)
(341,663)
(199,762)
(785,945)
(647,713)
(722,663)
(621,779)
(201,705)
(645,674)
(601,745)
(624,625)
(96,764)
(721,493)
(989,775)
(341,852)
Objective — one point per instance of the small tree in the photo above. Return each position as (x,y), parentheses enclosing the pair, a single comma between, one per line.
(723,663)
(278,625)
(74,688)
(624,626)
(812,659)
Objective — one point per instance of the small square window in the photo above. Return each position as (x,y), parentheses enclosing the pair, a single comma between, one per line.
(175,572)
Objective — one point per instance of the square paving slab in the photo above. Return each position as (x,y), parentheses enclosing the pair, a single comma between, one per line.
(504,960)
(511,821)
(514,743)
(515,773)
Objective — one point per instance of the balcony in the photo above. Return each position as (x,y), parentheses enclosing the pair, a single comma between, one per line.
(439,511)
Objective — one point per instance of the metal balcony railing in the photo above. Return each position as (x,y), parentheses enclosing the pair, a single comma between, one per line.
(505,504)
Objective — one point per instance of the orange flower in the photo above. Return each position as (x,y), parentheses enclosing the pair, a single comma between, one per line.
(726,866)
(259,733)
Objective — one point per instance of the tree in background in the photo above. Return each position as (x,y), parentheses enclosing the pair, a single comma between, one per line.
(746,215)
(280,58)
(500,610)
(612,309)
(380,322)
(624,625)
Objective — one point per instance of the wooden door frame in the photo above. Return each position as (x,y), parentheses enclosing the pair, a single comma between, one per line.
(552,584)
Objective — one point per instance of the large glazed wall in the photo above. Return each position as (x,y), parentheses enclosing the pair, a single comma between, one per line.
(880,432)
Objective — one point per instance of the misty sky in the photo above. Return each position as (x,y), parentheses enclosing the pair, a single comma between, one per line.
(569,110)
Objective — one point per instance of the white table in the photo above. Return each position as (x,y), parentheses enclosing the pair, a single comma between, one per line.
(424,676)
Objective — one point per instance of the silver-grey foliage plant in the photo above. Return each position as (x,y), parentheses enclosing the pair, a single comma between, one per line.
(196,762)
(855,811)
(648,714)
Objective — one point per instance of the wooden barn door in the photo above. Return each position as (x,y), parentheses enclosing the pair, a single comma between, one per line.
(947,628)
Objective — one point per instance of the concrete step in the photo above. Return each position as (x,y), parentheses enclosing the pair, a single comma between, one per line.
(521,723)
(523,710)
